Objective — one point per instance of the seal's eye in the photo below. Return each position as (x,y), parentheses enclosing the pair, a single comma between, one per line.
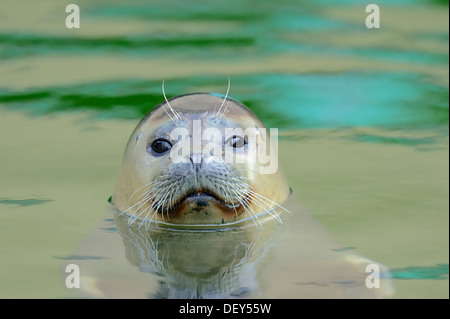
(237,141)
(160,146)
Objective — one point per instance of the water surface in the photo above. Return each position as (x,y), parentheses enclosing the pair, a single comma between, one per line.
(363,116)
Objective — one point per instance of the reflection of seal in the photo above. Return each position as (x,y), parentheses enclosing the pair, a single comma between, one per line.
(184,270)
(200,187)
(298,259)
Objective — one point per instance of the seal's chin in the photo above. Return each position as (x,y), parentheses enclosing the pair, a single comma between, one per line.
(203,206)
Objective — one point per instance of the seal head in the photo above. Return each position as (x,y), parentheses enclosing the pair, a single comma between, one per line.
(197,160)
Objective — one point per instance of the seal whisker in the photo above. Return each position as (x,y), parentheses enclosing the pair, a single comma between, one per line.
(253,192)
(270,201)
(225,189)
(255,216)
(225,98)
(148,209)
(139,202)
(175,113)
(260,202)
(136,216)
(252,245)
(227,195)
(155,206)
(225,109)
(134,193)
(162,202)
(158,200)
(152,187)
(148,221)
(161,198)
(246,203)
(252,181)
(267,208)
(171,201)
(248,212)
(142,203)
(151,218)
(145,195)
(130,207)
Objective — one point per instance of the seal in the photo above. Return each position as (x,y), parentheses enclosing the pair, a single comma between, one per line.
(194,160)
(200,162)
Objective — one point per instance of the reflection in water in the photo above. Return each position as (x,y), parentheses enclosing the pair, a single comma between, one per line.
(23,201)
(295,259)
(376,176)
(200,263)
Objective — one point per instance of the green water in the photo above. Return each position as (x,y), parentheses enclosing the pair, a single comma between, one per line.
(363,116)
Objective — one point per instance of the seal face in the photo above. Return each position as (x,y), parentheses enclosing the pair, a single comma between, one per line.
(193,160)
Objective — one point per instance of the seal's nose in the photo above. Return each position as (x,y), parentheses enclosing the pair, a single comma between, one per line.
(196,160)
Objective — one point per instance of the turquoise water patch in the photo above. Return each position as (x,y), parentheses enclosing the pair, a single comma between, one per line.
(343,249)
(392,139)
(24,202)
(79,257)
(259,31)
(440,271)
(310,101)
(354,99)
(117,99)
(22,45)
(382,2)
(192,10)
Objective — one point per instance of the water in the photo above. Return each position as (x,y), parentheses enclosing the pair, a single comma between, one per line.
(363,116)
